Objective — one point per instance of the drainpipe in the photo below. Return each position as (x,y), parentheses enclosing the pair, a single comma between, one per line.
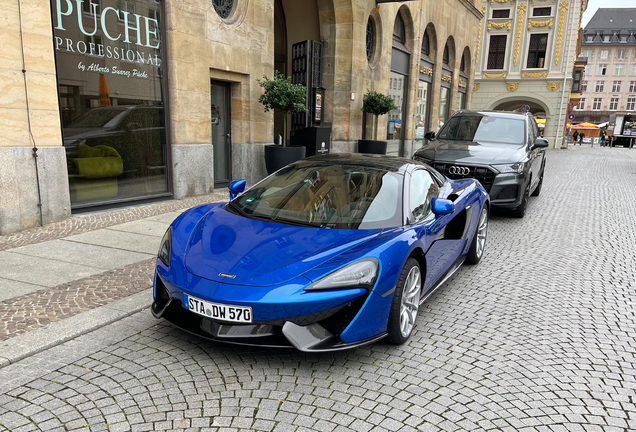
(26,93)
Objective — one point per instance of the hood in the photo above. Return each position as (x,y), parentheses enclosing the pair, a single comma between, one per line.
(260,253)
(481,153)
(78,134)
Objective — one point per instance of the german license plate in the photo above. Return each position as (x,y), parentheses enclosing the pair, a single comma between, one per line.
(217,311)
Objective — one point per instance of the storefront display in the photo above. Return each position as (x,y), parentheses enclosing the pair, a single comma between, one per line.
(110,70)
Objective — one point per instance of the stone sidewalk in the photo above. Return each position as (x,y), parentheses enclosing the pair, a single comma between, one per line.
(77,275)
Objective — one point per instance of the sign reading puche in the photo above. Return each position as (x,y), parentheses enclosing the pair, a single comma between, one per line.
(139,31)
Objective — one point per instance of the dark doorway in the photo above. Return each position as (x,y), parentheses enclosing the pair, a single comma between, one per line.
(221,137)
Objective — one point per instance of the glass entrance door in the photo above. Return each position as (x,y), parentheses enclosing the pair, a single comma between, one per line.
(221,139)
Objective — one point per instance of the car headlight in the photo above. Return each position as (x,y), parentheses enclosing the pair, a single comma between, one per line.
(362,273)
(165,247)
(510,168)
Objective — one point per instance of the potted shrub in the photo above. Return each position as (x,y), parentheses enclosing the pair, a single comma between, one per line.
(376,104)
(287,98)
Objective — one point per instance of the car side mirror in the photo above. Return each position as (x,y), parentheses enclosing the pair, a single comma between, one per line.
(236,187)
(540,143)
(429,135)
(442,207)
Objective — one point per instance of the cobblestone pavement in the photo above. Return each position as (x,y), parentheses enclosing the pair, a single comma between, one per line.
(93,221)
(31,311)
(541,336)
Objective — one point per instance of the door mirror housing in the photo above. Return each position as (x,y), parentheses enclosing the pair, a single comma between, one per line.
(540,143)
(442,207)
(236,187)
(429,135)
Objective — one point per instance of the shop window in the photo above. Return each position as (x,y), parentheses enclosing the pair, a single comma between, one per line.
(497,52)
(537,50)
(223,7)
(542,11)
(501,13)
(616,86)
(597,104)
(112,104)
(631,103)
(599,86)
(90,6)
(613,104)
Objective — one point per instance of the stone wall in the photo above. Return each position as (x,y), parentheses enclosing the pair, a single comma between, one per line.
(25,27)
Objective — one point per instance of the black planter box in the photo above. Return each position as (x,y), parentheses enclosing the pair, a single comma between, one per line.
(316,139)
(277,156)
(372,146)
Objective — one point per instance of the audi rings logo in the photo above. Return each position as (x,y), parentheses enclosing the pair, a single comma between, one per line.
(459,170)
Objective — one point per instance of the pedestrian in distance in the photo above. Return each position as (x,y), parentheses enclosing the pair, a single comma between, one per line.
(581,138)
(603,139)
(575,135)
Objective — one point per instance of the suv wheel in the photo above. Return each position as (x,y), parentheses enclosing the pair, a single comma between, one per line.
(520,211)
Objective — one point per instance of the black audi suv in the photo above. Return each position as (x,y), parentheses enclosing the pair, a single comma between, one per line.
(503,150)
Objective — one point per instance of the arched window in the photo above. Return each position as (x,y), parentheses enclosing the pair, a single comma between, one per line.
(446,58)
(370,38)
(462,65)
(426,44)
(399,33)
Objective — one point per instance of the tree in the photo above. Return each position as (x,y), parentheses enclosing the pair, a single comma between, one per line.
(377,104)
(281,95)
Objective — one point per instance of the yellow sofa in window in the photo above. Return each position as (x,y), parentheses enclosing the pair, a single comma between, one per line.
(93,173)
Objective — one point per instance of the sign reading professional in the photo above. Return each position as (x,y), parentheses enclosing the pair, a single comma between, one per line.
(116,25)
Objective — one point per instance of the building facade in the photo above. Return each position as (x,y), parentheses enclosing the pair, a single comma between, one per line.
(526,55)
(609,84)
(129,100)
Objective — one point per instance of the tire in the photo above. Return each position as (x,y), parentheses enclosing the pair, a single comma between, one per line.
(537,191)
(405,303)
(520,211)
(478,244)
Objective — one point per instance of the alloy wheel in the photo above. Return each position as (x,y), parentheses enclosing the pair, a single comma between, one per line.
(482,232)
(410,301)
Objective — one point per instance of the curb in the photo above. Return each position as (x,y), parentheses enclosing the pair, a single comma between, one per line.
(30,343)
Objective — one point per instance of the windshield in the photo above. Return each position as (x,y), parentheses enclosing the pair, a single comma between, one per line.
(484,128)
(333,196)
(96,118)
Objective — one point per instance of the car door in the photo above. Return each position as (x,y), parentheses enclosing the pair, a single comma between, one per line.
(422,189)
(536,155)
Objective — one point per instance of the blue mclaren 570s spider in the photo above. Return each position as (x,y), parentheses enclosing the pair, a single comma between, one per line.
(328,253)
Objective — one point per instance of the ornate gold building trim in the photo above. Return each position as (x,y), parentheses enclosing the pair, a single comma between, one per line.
(542,1)
(481,28)
(475,86)
(499,75)
(543,74)
(501,1)
(554,86)
(512,87)
(500,25)
(563,6)
(535,23)
(447,78)
(462,83)
(521,10)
